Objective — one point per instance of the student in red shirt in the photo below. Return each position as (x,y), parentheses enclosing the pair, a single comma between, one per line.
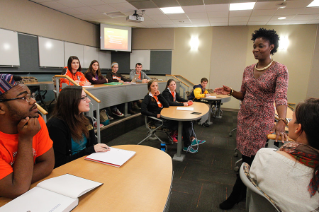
(26,153)
(74,72)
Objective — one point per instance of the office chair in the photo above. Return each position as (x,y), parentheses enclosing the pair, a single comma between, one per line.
(256,199)
(152,128)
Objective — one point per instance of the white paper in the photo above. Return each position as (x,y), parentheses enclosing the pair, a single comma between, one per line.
(69,185)
(114,156)
(88,86)
(39,200)
(211,97)
(185,108)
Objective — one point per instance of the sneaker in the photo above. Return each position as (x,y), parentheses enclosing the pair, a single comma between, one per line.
(190,149)
(196,142)
(95,125)
(136,107)
(110,117)
(174,139)
(118,113)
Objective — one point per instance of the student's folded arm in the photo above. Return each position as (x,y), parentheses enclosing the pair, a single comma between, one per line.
(144,109)
(197,93)
(180,99)
(44,165)
(167,95)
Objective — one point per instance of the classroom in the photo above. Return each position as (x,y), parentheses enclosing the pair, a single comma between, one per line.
(224,49)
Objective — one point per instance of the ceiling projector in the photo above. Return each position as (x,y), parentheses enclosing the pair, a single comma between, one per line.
(135,17)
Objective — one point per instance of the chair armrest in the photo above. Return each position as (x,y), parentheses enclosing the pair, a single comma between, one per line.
(157,119)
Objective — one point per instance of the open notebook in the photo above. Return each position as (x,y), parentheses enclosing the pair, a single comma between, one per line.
(57,194)
(114,157)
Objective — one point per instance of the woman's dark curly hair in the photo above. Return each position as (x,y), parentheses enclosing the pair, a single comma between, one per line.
(270,35)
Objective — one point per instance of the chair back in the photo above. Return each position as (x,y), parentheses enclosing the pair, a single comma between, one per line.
(256,199)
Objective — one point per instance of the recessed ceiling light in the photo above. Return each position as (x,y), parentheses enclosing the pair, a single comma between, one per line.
(314,3)
(242,6)
(172,10)
(282,18)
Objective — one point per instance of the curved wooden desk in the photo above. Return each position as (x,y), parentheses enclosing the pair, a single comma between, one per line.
(141,184)
(219,99)
(171,113)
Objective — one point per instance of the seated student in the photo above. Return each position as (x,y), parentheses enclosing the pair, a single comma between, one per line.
(174,99)
(74,72)
(152,105)
(290,175)
(143,78)
(199,91)
(113,76)
(26,153)
(93,74)
(71,131)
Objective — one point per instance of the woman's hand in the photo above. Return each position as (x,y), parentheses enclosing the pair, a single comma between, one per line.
(157,93)
(94,79)
(101,147)
(225,90)
(158,116)
(106,80)
(87,83)
(185,104)
(121,81)
(279,130)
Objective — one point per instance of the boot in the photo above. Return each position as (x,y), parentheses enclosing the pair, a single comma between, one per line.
(237,195)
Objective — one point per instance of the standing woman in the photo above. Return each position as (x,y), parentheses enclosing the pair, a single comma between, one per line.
(71,131)
(263,84)
(174,99)
(74,71)
(93,74)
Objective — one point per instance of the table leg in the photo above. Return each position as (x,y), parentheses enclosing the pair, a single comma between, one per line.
(179,156)
(210,113)
(126,114)
(219,111)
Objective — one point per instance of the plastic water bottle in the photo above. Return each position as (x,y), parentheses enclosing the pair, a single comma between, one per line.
(163,147)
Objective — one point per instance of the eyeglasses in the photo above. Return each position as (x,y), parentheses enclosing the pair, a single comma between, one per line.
(85,98)
(26,98)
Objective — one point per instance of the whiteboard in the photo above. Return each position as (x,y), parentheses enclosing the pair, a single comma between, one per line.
(104,59)
(90,53)
(72,49)
(51,52)
(141,56)
(9,48)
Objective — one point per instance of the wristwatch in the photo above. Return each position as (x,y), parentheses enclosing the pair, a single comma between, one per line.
(285,120)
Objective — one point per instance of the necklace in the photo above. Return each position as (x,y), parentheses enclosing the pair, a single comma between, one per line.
(264,68)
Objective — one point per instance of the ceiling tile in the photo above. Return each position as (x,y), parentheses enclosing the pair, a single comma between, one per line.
(166,3)
(176,16)
(122,6)
(304,17)
(240,1)
(257,23)
(216,1)
(298,4)
(217,7)
(91,2)
(164,22)
(158,17)
(283,12)
(259,18)
(271,5)
(197,15)
(240,13)
(70,11)
(238,19)
(309,10)
(217,20)
(182,21)
(40,1)
(85,10)
(217,14)
(168,25)
(153,12)
(71,3)
(263,12)
(190,2)
(54,5)
(143,4)
(198,21)
(194,9)
(313,22)
(104,8)
(114,1)
(275,18)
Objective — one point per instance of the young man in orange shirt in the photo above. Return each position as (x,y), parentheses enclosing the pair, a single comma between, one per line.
(26,153)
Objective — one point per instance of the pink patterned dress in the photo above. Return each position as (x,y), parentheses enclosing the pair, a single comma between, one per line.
(256,115)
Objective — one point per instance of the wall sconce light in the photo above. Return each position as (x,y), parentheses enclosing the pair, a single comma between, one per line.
(283,43)
(194,43)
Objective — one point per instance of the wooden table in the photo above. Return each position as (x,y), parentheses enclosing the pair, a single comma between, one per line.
(142,184)
(218,100)
(171,113)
